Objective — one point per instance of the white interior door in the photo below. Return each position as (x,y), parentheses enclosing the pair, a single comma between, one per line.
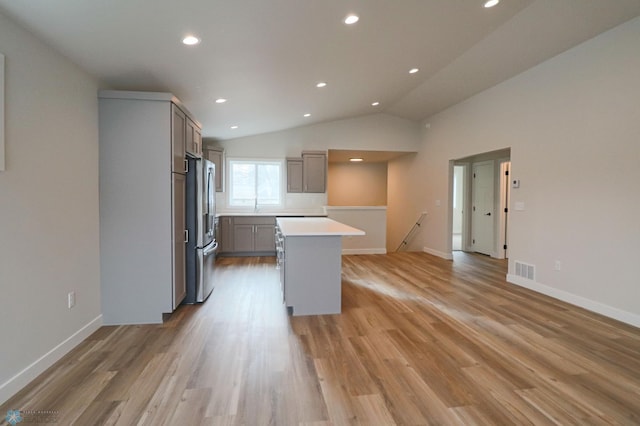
(483,214)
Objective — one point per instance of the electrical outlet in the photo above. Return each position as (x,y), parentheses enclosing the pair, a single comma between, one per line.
(557,266)
(71,299)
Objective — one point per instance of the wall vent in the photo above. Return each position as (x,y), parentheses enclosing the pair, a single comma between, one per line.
(525,270)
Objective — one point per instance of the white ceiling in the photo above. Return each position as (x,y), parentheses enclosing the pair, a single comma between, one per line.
(265,56)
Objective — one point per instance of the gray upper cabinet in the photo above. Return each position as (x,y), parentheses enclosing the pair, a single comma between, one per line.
(314,171)
(193,138)
(307,174)
(178,141)
(216,156)
(294,175)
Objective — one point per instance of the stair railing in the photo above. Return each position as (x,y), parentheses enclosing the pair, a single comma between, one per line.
(412,232)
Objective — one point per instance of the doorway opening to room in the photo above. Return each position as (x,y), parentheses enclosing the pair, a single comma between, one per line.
(458,207)
(479,203)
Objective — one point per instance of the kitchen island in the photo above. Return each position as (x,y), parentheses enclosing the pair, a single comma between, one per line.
(309,254)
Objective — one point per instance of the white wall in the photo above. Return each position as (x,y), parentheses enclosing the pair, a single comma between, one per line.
(377,132)
(48,208)
(372,220)
(357,184)
(573,125)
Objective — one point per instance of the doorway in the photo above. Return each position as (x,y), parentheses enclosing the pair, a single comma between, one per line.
(458,207)
(485,230)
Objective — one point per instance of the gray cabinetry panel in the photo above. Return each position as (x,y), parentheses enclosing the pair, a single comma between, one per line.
(264,238)
(294,175)
(142,231)
(226,234)
(247,235)
(178,243)
(178,140)
(216,156)
(193,139)
(311,274)
(243,238)
(314,170)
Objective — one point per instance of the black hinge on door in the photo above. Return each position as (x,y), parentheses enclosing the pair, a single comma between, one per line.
(506,172)
(474,241)
(474,175)
(474,208)
(504,246)
(506,210)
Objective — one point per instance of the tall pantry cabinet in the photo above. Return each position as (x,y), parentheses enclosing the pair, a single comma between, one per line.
(143,140)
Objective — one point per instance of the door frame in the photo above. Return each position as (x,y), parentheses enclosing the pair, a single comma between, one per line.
(502,246)
(501,226)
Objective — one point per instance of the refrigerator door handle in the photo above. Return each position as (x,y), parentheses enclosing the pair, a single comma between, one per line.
(186,235)
(210,250)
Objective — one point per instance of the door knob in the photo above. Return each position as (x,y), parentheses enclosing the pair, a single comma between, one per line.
(488,214)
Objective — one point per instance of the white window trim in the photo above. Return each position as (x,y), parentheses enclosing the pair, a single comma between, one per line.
(261,207)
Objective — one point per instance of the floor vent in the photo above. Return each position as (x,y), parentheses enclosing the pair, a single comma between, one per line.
(525,270)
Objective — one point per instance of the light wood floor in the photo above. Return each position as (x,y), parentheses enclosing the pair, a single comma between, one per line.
(420,341)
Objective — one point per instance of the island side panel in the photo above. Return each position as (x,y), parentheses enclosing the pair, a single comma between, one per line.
(313,274)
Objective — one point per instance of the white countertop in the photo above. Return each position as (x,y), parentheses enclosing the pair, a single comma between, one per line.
(315,226)
(275,214)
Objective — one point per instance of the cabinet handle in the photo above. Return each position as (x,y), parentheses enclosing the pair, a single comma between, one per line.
(186,235)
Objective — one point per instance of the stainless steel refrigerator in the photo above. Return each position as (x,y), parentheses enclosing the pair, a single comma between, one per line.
(200,210)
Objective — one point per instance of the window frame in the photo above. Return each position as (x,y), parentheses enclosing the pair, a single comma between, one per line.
(255,161)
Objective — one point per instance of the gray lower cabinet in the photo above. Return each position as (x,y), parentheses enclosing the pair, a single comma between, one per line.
(247,235)
(310,274)
(225,237)
(243,238)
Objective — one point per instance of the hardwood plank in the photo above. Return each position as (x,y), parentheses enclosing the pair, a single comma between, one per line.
(421,340)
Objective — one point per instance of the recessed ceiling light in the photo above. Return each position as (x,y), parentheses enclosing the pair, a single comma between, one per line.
(221,100)
(234,127)
(351,19)
(491,3)
(376,103)
(307,115)
(356,160)
(413,70)
(190,40)
(321,84)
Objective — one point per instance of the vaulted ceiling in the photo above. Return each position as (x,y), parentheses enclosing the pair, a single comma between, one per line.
(266,56)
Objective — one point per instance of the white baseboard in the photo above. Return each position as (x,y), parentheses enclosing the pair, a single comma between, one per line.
(20,380)
(441,254)
(365,251)
(583,302)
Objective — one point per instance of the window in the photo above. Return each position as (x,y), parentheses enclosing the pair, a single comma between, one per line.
(255,182)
